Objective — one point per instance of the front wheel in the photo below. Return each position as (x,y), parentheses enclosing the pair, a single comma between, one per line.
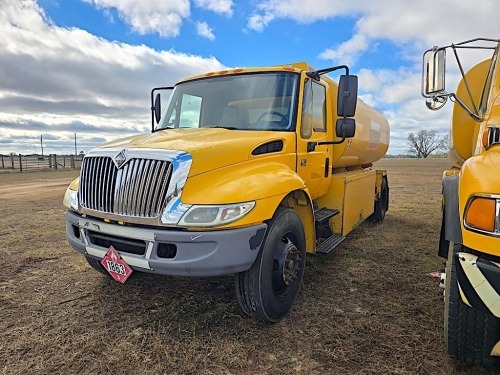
(470,334)
(269,288)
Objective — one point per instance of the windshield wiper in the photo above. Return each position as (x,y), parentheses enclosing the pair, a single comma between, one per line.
(225,127)
(164,128)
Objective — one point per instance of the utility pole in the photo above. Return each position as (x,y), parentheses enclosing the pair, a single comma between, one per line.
(41,143)
(75,145)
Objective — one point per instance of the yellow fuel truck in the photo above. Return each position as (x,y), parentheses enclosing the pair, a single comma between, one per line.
(245,171)
(470,230)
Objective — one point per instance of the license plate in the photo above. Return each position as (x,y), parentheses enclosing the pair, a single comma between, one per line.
(116,266)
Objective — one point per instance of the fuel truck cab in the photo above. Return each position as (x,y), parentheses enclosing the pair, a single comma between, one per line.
(470,229)
(245,171)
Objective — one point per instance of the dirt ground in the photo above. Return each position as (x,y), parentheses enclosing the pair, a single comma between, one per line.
(367,308)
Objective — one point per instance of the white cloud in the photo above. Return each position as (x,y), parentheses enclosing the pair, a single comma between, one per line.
(63,80)
(347,52)
(224,7)
(259,22)
(204,30)
(149,16)
(163,17)
(420,24)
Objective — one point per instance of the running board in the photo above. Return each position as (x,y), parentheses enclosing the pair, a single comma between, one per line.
(329,244)
(324,214)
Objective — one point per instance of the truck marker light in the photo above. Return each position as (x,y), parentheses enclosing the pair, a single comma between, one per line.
(481,214)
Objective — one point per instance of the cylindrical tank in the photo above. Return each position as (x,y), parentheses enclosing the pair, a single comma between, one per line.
(370,142)
(464,129)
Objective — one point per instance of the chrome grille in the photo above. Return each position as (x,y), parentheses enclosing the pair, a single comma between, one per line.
(136,189)
(493,136)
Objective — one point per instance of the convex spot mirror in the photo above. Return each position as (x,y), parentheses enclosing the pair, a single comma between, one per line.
(433,72)
(347,95)
(436,102)
(345,128)
(157,108)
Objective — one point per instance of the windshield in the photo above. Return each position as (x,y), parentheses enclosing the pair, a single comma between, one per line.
(263,101)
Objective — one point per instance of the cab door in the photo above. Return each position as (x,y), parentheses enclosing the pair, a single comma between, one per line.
(314,163)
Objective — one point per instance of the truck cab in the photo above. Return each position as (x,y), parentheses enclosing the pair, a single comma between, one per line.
(244,172)
(470,229)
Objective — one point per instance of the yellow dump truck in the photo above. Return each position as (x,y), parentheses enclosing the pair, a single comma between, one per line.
(245,171)
(470,230)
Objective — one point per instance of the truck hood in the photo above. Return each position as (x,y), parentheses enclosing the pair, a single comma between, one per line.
(210,148)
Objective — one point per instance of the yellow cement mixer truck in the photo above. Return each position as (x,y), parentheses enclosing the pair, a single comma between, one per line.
(245,171)
(470,230)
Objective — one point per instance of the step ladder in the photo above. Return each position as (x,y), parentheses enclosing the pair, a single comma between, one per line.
(330,243)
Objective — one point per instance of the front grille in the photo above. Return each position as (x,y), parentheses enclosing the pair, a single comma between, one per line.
(126,245)
(493,136)
(138,188)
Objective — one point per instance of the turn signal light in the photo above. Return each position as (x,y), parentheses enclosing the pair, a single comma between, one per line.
(481,214)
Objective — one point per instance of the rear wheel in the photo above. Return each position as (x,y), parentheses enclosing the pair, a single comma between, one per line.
(470,334)
(381,204)
(269,289)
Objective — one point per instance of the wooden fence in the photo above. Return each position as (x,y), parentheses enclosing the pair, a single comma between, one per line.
(21,163)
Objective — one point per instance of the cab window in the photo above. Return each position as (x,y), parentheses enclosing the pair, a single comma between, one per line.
(313,109)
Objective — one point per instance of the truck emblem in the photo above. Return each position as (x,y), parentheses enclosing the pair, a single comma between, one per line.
(120,159)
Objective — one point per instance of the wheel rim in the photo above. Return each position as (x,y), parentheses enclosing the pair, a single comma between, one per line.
(286,266)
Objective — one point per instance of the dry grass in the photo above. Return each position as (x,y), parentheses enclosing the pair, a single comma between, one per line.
(367,308)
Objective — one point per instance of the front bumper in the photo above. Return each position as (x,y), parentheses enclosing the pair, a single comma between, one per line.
(210,253)
(479,282)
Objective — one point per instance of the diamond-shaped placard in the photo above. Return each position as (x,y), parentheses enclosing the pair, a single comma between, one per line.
(116,266)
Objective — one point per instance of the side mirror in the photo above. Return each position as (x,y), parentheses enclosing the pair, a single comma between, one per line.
(433,69)
(436,102)
(347,96)
(157,108)
(345,127)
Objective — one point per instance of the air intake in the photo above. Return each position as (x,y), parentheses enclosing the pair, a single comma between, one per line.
(493,136)
(268,148)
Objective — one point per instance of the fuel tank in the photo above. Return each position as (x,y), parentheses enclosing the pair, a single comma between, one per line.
(370,142)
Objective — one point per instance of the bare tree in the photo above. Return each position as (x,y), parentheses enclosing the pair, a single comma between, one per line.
(425,142)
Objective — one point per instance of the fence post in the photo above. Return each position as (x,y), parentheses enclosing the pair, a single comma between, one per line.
(20,163)
(12,161)
(3,165)
(50,161)
(72,158)
(55,161)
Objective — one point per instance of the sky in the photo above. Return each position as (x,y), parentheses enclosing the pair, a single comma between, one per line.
(87,67)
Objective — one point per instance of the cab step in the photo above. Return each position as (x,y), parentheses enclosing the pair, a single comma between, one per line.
(324,214)
(329,244)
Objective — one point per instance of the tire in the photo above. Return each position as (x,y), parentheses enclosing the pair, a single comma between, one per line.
(469,334)
(381,204)
(269,288)
(96,264)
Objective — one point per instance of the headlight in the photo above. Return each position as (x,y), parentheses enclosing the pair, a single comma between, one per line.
(211,216)
(71,199)
(482,214)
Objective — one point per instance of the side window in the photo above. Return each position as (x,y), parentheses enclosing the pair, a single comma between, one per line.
(313,109)
(190,111)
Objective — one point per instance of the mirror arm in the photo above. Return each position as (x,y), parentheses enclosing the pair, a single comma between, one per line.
(153,104)
(474,114)
(152,111)
(317,73)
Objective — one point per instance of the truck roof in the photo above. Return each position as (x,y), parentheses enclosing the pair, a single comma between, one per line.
(296,67)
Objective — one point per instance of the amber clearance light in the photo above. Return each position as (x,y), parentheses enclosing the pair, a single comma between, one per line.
(482,214)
